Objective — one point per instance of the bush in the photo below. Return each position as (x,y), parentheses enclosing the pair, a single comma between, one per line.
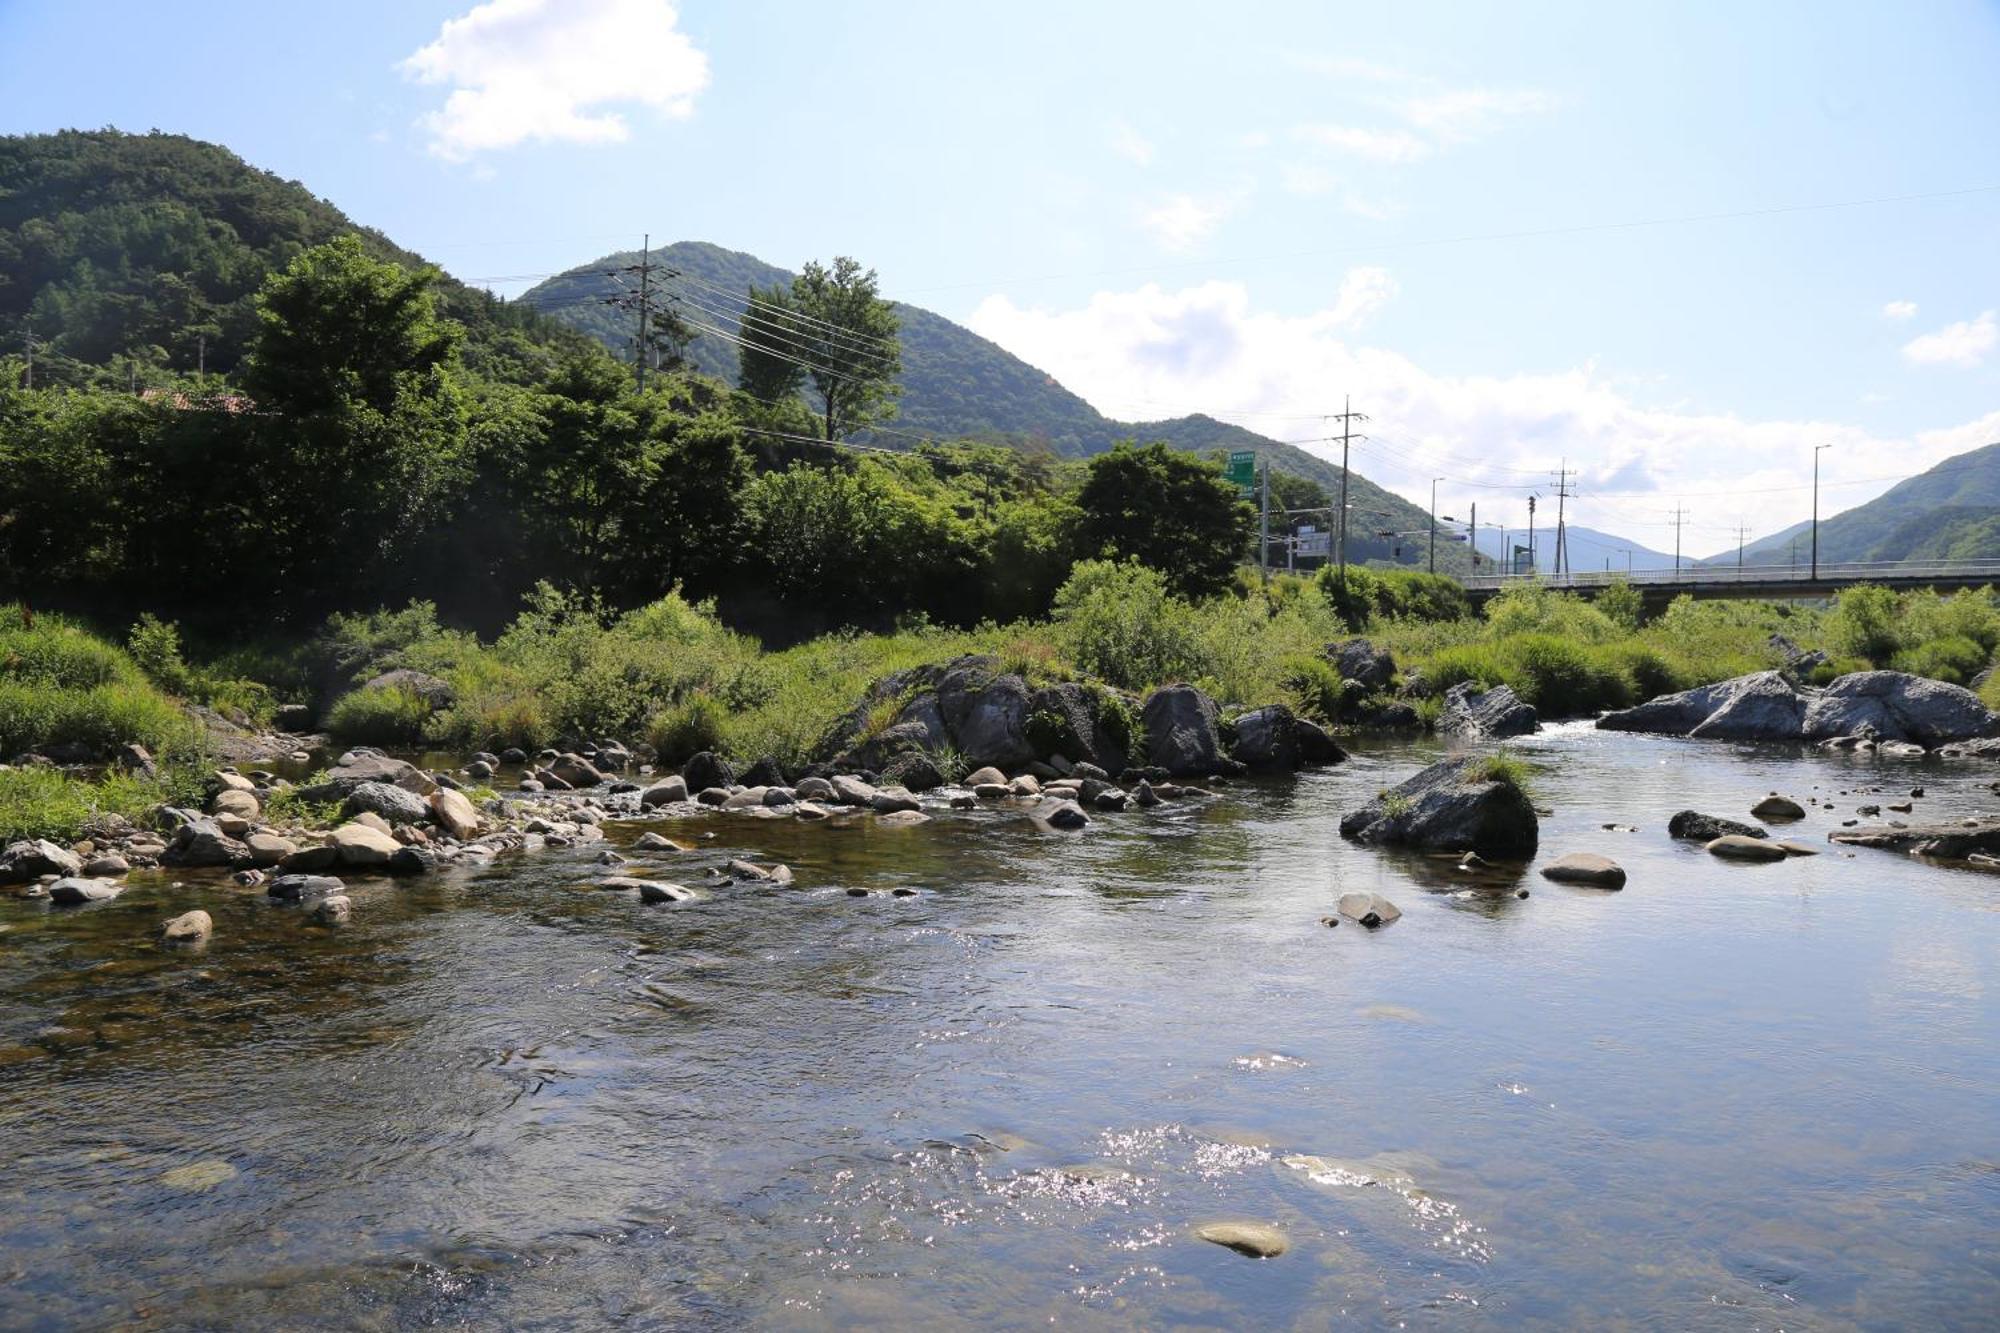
(385,716)
(1119,623)
(687,728)
(1649,670)
(1828,672)
(1363,596)
(1315,687)
(1561,678)
(39,802)
(1476,662)
(1863,623)
(1955,660)
(1621,604)
(155,646)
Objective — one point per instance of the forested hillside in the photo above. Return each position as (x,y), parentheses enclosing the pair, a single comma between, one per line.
(131,258)
(956,384)
(1951,511)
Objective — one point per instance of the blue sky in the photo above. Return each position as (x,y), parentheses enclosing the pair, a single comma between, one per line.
(1249,210)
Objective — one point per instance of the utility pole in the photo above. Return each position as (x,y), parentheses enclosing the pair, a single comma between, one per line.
(1472,537)
(1815,542)
(1347,416)
(1264,525)
(645,279)
(1741,533)
(1434,523)
(1562,477)
(1531,535)
(1678,515)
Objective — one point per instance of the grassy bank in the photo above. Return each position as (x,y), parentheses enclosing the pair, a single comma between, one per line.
(672,674)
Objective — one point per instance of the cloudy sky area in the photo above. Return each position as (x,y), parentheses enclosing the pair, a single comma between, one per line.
(1674,245)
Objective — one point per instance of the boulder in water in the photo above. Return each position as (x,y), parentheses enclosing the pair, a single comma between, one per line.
(1471,712)
(1697,827)
(1599,872)
(1454,805)
(1183,735)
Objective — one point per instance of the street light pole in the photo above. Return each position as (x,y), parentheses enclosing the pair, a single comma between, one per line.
(1815,540)
(1434,523)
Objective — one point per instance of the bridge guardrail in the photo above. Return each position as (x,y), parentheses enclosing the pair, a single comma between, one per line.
(1843,572)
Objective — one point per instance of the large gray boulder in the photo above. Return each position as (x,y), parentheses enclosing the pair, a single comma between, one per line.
(203,843)
(993,726)
(1471,712)
(24,862)
(913,770)
(1266,739)
(706,770)
(1182,731)
(1361,661)
(1762,706)
(1901,707)
(1074,721)
(433,691)
(1892,706)
(1694,826)
(364,764)
(1450,806)
(394,804)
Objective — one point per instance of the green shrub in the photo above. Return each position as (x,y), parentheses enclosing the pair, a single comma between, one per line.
(1119,623)
(1955,660)
(156,646)
(1621,604)
(39,802)
(1362,596)
(1864,623)
(1476,662)
(1649,670)
(687,728)
(1561,678)
(34,714)
(1315,687)
(383,716)
(1501,767)
(52,651)
(1828,672)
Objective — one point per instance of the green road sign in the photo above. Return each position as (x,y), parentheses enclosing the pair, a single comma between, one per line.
(1242,470)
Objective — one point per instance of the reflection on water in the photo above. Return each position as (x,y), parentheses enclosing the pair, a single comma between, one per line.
(1728,1096)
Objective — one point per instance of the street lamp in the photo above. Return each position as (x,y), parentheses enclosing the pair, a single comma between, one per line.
(1815,542)
(1434,523)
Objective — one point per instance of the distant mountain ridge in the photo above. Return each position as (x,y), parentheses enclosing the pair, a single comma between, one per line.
(958,385)
(1949,512)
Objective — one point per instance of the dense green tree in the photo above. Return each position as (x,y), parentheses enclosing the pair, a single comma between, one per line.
(847,335)
(1170,511)
(771,345)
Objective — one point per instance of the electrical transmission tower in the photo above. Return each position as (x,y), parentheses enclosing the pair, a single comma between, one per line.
(658,325)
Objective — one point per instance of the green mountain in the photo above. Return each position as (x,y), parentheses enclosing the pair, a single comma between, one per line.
(144,252)
(1951,512)
(957,385)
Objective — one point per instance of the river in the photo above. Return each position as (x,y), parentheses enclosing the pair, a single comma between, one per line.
(1728,1097)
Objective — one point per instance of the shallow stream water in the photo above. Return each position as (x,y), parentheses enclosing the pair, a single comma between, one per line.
(1727,1097)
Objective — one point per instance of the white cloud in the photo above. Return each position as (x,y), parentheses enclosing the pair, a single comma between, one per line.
(1900,310)
(551,70)
(1180,222)
(1465,114)
(1377,145)
(1131,145)
(1153,353)
(1965,343)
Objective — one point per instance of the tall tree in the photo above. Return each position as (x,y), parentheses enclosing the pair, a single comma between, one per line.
(771,347)
(1169,510)
(832,329)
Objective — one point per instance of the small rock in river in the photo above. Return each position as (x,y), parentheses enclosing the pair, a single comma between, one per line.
(1775,806)
(1585,868)
(1735,847)
(1370,909)
(1258,1240)
(188,928)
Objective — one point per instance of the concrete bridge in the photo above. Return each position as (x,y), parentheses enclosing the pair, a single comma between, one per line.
(1775,583)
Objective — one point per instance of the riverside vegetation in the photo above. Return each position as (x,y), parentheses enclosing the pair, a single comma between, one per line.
(672,676)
